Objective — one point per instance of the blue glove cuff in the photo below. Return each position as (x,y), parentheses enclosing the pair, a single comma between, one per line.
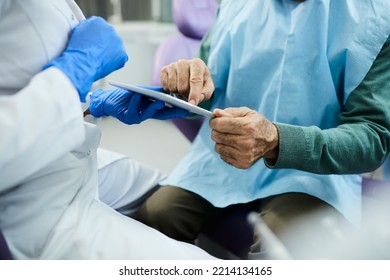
(96,107)
(82,80)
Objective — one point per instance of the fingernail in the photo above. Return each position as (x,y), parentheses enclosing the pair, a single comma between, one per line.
(192,101)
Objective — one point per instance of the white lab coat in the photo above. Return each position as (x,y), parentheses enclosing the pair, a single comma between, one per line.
(49,202)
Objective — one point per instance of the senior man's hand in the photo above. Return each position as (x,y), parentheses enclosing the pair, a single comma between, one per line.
(189,78)
(242,136)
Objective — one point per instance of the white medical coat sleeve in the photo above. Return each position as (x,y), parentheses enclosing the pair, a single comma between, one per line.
(38,124)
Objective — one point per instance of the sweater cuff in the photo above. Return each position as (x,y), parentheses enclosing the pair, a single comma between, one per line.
(292,147)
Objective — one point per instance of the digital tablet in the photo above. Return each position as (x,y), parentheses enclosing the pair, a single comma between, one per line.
(174,101)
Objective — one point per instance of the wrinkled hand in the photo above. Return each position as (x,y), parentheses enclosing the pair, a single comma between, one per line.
(242,136)
(189,78)
(94,50)
(130,107)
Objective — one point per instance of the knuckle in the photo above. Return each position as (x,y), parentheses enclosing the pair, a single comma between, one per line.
(226,159)
(250,128)
(214,124)
(214,135)
(163,75)
(217,148)
(195,79)
(198,61)
(182,64)
(171,65)
(249,145)
(244,166)
(197,65)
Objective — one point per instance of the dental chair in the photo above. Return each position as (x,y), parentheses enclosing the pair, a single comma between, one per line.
(193,18)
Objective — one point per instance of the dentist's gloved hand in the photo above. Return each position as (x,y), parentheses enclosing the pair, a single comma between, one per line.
(94,50)
(130,107)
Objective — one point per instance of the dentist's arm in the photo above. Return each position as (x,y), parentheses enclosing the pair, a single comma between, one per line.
(38,124)
(94,50)
(44,120)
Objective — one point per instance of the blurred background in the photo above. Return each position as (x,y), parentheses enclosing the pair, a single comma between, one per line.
(143,24)
(156,10)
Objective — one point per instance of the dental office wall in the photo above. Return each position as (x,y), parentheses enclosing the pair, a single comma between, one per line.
(143,25)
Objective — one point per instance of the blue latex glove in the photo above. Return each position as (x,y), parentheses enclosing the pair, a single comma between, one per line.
(94,50)
(130,107)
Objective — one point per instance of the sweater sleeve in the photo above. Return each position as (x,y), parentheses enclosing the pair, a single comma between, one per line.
(361,142)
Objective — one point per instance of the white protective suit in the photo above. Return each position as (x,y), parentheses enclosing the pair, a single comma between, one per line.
(48,155)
